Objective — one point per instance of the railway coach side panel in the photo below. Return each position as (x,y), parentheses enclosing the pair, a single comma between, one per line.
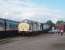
(2,29)
(2,25)
(35,27)
(38,27)
(45,27)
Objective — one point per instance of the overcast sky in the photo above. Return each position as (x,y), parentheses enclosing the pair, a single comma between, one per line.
(39,10)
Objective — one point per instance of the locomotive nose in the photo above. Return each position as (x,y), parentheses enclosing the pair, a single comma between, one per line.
(23,27)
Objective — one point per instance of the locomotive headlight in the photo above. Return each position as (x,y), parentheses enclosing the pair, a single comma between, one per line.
(23,27)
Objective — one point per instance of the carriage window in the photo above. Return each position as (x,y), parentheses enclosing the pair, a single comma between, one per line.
(12,25)
(1,23)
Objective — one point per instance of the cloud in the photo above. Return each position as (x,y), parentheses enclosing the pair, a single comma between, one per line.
(20,9)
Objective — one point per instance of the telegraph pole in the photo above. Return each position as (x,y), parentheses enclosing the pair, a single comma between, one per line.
(5,24)
(5,20)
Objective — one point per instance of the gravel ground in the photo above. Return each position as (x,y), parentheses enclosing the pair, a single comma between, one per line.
(39,42)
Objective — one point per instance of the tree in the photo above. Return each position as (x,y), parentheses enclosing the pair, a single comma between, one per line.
(50,22)
(60,22)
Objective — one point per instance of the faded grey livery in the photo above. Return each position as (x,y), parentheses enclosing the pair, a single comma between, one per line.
(29,26)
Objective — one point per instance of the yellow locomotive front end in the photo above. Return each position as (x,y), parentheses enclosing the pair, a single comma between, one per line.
(23,27)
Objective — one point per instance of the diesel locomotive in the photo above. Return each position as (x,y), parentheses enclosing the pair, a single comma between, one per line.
(29,26)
